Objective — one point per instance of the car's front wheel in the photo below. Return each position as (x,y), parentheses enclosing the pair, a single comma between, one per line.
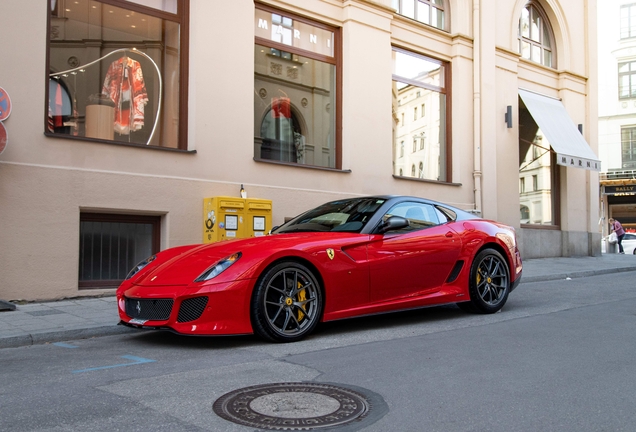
(489,283)
(287,303)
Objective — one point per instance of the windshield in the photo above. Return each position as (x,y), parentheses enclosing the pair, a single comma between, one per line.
(349,215)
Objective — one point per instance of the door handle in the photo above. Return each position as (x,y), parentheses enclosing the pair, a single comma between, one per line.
(449,234)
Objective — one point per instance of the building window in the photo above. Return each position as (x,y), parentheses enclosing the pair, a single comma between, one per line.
(402,149)
(415,113)
(422,110)
(296,88)
(110,245)
(430,12)
(535,35)
(627,80)
(525,214)
(539,163)
(414,73)
(628,21)
(413,171)
(628,147)
(117,71)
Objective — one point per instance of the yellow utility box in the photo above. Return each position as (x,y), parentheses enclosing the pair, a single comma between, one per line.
(223,218)
(258,217)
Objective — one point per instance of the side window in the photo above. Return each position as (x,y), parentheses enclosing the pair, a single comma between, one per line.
(419,215)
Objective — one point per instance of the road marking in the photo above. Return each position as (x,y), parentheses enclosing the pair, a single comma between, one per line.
(136,361)
(65,345)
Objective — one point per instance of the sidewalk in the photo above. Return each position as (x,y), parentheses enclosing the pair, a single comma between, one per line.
(36,323)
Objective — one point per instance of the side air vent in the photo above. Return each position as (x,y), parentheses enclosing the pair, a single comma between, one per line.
(456,270)
(192,308)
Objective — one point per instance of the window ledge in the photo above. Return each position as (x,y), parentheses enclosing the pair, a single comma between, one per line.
(296,165)
(541,227)
(397,177)
(117,143)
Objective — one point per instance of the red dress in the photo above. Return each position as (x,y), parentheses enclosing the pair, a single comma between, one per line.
(124,84)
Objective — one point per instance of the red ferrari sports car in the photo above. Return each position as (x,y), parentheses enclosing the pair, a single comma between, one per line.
(343,259)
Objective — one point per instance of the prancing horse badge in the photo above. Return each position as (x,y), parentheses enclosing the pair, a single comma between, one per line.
(330,253)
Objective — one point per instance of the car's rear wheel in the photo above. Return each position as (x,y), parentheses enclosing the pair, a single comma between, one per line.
(489,283)
(286,303)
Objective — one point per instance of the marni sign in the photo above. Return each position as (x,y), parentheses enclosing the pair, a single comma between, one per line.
(281,29)
(578,162)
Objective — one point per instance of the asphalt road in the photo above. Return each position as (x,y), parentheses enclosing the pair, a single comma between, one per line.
(559,357)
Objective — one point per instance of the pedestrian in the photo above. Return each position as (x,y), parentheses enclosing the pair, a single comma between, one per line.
(615,226)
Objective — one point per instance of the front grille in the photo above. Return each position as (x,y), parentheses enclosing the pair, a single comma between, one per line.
(192,309)
(149,309)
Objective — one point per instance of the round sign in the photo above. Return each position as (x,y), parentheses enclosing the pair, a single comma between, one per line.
(5,104)
(3,137)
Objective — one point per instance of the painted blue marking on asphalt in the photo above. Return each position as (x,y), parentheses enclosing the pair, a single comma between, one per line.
(136,361)
(65,345)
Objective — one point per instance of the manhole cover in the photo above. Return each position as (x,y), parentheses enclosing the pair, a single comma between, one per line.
(292,406)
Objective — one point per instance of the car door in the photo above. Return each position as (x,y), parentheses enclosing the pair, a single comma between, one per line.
(413,261)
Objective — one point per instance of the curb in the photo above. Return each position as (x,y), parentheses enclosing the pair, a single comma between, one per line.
(62,335)
(574,275)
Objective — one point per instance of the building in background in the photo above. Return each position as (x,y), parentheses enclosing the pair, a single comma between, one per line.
(128,113)
(617,113)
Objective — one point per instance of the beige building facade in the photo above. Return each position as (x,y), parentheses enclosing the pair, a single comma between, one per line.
(126,115)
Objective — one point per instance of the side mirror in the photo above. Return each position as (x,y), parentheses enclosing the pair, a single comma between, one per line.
(393,223)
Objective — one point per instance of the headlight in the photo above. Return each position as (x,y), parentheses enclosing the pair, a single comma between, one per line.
(139,266)
(218,267)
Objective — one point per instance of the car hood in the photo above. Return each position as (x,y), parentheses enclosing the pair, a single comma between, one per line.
(184,268)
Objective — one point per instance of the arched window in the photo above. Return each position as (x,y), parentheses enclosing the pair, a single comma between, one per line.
(431,12)
(421,173)
(413,170)
(282,137)
(525,214)
(536,40)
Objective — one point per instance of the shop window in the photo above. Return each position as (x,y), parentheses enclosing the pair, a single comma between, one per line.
(537,162)
(296,90)
(110,245)
(414,73)
(628,21)
(628,147)
(535,35)
(117,71)
(430,12)
(627,80)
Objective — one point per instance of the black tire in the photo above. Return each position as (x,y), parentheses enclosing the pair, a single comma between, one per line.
(489,283)
(287,303)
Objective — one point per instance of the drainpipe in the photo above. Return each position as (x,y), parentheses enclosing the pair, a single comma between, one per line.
(477,107)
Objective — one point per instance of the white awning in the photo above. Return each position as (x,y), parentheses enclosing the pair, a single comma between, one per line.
(565,139)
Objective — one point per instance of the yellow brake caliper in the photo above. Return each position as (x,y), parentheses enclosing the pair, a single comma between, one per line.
(478,278)
(302,296)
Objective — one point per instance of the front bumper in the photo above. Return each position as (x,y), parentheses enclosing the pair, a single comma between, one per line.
(220,310)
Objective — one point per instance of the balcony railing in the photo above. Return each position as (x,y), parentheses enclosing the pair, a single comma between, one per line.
(618,175)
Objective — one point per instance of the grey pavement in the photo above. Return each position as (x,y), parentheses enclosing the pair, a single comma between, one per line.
(80,318)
